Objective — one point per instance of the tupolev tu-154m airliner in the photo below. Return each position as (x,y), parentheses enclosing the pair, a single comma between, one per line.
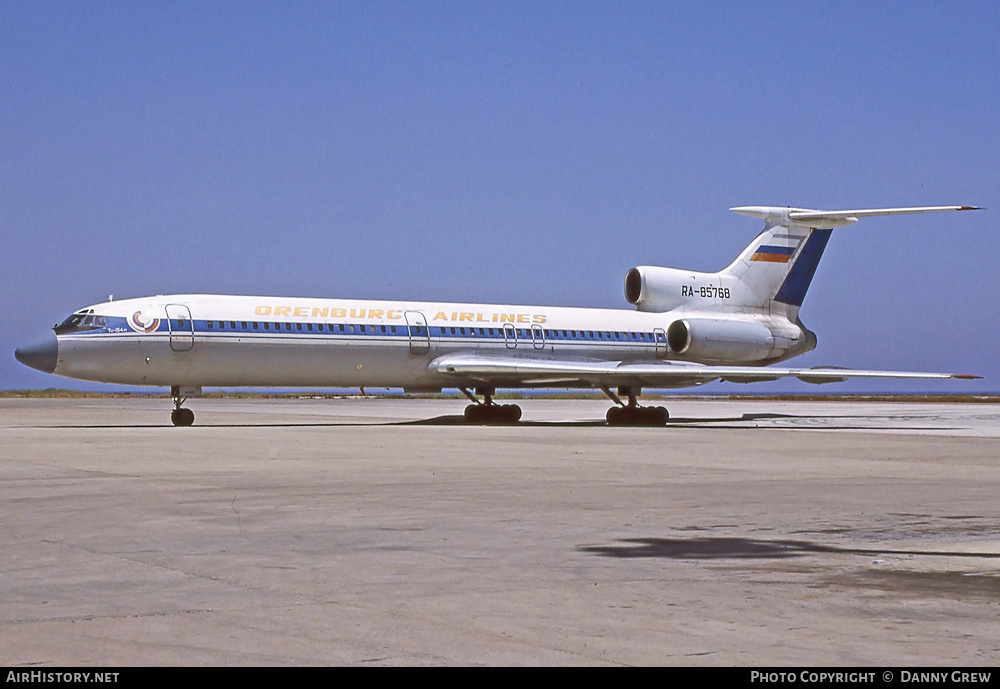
(687,329)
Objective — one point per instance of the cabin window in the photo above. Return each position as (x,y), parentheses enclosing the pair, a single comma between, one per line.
(232,324)
(341,327)
(267,326)
(309,327)
(209,324)
(256,325)
(244,324)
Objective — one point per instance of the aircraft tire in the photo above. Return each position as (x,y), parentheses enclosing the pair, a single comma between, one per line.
(511,413)
(182,417)
(472,413)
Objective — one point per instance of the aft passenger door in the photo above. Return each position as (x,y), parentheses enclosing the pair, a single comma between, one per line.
(181,327)
(660,337)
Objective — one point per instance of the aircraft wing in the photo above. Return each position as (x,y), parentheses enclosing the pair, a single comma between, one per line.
(473,369)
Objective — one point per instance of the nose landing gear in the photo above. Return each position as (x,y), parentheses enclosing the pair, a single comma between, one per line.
(180,416)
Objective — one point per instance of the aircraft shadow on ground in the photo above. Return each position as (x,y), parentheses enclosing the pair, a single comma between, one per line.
(745,549)
(719,422)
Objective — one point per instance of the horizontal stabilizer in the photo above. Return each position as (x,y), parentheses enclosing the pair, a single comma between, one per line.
(827,219)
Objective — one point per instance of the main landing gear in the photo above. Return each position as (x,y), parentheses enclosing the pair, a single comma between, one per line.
(180,416)
(632,414)
(488,412)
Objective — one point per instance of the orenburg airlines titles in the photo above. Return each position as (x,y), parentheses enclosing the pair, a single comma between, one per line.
(397,314)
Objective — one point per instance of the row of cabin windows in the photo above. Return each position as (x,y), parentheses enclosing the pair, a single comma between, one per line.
(419,330)
(245,325)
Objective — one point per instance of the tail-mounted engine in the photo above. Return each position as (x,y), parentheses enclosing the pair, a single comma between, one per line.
(652,288)
(715,339)
(709,339)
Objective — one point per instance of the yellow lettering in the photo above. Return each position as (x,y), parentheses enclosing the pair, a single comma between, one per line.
(523,318)
(282,310)
(440,316)
(357,313)
(454,315)
(465,316)
(338,313)
(480,319)
(319,313)
(538,318)
(394,313)
(374,313)
(262,310)
(507,318)
(301,311)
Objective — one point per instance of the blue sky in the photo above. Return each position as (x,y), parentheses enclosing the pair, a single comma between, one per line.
(503,152)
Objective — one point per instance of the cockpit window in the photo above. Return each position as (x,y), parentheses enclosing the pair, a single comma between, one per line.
(80,322)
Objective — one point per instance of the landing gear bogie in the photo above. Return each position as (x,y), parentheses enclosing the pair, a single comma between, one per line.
(488,412)
(492,413)
(637,416)
(631,414)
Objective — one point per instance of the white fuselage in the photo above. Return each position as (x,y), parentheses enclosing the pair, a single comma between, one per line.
(233,341)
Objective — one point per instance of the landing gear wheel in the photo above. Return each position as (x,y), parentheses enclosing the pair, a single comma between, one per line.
(511,413)
(182,417)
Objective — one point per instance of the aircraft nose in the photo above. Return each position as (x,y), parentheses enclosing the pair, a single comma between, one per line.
(41,353)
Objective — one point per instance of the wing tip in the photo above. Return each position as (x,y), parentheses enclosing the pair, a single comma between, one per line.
(966,376)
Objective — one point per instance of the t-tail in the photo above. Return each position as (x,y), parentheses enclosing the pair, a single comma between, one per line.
(757,297)
(772,275)
(774,272)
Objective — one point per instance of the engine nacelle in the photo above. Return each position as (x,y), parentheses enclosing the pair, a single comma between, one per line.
(652,288)
(712,339)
